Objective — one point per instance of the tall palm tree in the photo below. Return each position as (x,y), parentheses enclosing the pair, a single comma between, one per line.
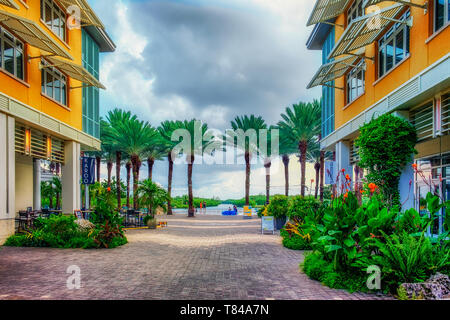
(116,117)
(156,150)
(132,137)
(107,150)
(246,124)
(166,130)
(268,153)
(128,168)
(287,148)
(303,124)
(57,186)
(318,157)
(196,129)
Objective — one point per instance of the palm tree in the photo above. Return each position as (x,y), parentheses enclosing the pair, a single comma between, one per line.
(47,191)
(195,128)
(246,125)
(156,150)
(268,153)
(153,196)
(128,167)
(318,157)
(303,124)
(107,151)
(287,148)
(166,130)
(116,117)
(132,136)
(57,187)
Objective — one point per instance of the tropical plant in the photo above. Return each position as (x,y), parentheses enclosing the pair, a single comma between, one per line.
(247,128)
(318,157)
(278,206)
(386,145)
(133,137)
(200,138)
(166,130)
(302,123)
(152,196)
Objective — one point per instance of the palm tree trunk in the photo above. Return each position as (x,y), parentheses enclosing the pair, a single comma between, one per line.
(317,168)
(247,178)
(136,185)
(109,166)
(169,185)
(303,148)
(150,163)
(98,163)
(50,198)
(322,173)
(128,167)
(119,192)
(267,166)
(134,164)
(286,174)
(191,211)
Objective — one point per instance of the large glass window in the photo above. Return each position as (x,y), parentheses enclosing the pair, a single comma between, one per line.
(91,97)
(355,11)
(441,13)
(393,47)
(328,90)
(54,83)
(11,54)
(356,82)
(54,17)
(433,176)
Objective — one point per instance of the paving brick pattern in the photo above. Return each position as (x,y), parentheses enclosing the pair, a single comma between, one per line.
(207,257)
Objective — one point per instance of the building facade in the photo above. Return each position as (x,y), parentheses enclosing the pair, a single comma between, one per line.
(387,57)
(49,98)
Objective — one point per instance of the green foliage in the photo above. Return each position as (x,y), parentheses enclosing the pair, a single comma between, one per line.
(294,241)
(300,206)
(386,146)
(278,206)
(181,202)
(152,196)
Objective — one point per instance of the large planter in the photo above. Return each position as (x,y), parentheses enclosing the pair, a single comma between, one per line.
(280,222)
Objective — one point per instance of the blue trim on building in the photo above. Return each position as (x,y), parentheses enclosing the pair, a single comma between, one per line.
(328,91)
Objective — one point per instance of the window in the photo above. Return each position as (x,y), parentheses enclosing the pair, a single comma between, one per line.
(356,82)
(355,11)
(54,83)
(11,54)
(393,47)
(54,17)
(441,13)
(328,91)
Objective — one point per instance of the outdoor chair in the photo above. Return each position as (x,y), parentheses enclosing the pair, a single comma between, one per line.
(24,220)
(131,217)
(78,214)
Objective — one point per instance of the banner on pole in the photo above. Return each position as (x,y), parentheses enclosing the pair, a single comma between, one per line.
(88,170)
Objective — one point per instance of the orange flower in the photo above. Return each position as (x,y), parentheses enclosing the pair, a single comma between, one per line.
(362,191)
(108,189)
(414,166)
(312,180)
(348,177)
(346,195)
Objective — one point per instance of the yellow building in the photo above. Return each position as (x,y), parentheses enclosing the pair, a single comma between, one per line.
(386,57)
(49,98)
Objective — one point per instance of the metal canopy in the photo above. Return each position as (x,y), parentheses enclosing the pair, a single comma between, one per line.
(365,30)
(335,69)
(325,10)
(30,32)
(88,16)
(369,3)
(74,71)
(9,3)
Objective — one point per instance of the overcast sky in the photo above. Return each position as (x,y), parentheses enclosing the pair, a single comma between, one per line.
(212,60)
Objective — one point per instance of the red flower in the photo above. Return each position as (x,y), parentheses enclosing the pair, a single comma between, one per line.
(108,189)
(414,166)
(348,177)
(346,195)
(343,170)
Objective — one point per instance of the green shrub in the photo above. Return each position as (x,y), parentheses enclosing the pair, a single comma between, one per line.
(302,206)
(294,242)
(278,206)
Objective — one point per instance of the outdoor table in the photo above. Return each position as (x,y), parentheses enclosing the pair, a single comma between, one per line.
(86,213)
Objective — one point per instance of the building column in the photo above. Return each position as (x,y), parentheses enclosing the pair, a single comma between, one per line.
(71,194)
(7,177)
(36,184)
(343,162)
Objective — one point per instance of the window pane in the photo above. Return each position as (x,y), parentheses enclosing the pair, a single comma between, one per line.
(64,94)
(9,57)
(389,55)
(439,14)
(1,50)
(56,23)
(48,15)
(19,64)
(57,88)
(49,85)
(381,60)
(43,81)
(399,50)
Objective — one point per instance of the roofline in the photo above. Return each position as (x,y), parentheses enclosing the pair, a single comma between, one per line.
(319,35)
(102,38)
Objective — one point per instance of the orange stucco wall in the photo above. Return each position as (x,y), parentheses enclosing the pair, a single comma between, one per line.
(29,92)
(423,53)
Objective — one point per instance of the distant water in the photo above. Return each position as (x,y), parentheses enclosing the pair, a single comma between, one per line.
(212,210)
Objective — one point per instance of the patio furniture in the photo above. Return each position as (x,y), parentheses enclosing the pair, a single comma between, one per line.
(78,214)
(131,217)
(24,220)
(45,213)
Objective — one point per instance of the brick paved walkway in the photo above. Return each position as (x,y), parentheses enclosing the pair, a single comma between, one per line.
(207,257)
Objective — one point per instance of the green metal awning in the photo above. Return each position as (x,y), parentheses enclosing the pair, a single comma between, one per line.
(366,29)
(335,69)
(325,10)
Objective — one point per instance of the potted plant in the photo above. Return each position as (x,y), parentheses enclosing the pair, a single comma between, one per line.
(278,208)
(153,197)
